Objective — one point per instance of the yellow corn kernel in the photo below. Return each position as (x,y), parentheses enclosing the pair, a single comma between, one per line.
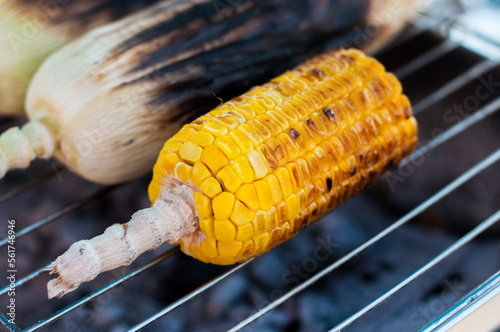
(202,138)
(169,161)
(241,214)
(260,128)
(288,145)
(211,187)
(223,205)
(209,248)
(272,218)
(261,242)
(258,164)
(245,232)
(259,221)
(273,128)
(200,174)
(284,181)
(247,195)
(190,152)
(229,249)
(203,204)
(251,133)
(229,179)
(295,176)
(243,169)
(248,248)
(183,171)
(215,129)
(228,146)
(264,194)
(224,230)
(274,188)
(241,140)
(207,226)
(213,157)
(277,150)
(184,134)
(292,206)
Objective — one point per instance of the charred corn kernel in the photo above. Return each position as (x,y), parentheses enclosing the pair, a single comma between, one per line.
(288,144)
(169,162)
(241,214)
(259,221)
(261,242)
(224,230)
(283,154)
(228,146)
(183,171)
(248,248)
(202,138)
(277,151)
(209,247)
(200,174)
(211,187)
(213,157)
(258,164)
(203,205)
(245,232)
(190,152)
(261,129)
(229,179)
(264,194)
(272,218)
(223,205)
(243,169)
(229,249)
(248,196)
(207,226)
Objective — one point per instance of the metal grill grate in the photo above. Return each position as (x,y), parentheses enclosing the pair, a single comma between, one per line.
(438,51)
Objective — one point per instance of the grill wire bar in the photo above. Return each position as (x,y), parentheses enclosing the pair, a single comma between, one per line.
(104,289)
(405,70)
(59,213)
(478,168)
(457,245)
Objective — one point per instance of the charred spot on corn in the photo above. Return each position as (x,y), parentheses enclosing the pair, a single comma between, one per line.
(295,134)
(329,184)
(330,114)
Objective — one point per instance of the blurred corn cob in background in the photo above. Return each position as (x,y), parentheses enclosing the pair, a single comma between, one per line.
(31,30)
(105,104)
(250,174)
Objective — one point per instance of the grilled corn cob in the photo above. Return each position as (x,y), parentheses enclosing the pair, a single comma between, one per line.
(31,30)
(105,104)
(250,174)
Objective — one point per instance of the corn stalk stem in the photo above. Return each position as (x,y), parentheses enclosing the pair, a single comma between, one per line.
(172,216)
(19,146)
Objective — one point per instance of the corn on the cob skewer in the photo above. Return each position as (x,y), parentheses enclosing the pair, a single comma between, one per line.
(112,99)
(251,173)
(32,30)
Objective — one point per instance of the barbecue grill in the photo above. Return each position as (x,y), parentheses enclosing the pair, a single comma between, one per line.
(416,250)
